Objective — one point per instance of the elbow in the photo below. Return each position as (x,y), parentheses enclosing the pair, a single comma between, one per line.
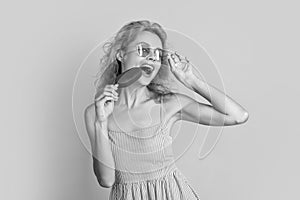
(106,183)
(243,119)
(105,178)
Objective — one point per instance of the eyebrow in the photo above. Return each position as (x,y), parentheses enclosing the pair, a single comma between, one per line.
(148,45)
(143,43)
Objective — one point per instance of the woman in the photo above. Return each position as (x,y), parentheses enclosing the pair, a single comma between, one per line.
(131,144)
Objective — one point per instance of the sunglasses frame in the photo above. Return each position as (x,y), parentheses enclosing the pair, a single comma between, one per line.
(140,47)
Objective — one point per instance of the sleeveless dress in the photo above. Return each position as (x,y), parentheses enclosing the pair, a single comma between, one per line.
(144,166)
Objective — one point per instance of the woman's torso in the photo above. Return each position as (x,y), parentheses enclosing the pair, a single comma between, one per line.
(141,142)
(146,115)
(140,139)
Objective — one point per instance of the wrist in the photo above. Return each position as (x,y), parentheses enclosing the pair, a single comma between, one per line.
(190,81)
(101,123)
(101,129)
(195,83)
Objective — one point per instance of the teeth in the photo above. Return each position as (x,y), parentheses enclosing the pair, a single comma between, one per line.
(147,67)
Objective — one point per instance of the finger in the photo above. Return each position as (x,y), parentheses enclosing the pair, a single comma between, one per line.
(184,68)
(109,88)
(111,99)
(171,63)
(187,60)
(103,96)
(112,88)
(111,94)
(115,86)
(108,91)
(173,56)
(105,99)
(115,92)
(171,59)
(176,57)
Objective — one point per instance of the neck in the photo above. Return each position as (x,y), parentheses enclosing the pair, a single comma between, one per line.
(133,95)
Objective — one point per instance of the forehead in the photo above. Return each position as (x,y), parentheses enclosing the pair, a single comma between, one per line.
(148,38)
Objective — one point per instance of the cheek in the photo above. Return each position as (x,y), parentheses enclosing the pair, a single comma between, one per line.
(132,61)
(128,64)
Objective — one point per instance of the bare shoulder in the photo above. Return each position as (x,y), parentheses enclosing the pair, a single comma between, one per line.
(174,103)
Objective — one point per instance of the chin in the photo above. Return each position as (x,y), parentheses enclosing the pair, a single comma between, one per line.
(145,82)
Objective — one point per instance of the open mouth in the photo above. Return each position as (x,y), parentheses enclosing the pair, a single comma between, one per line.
(147,68)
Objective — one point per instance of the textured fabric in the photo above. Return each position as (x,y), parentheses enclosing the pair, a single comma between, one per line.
(145,167)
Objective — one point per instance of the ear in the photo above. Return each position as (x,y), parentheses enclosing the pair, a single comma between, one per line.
(120,55)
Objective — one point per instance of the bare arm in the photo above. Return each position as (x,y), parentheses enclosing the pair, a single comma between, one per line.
(224,111)
(103,162)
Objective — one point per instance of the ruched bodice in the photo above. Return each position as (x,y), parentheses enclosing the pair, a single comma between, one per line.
(144,165)
(142,154)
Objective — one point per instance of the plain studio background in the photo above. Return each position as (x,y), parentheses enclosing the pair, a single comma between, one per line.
(255,45)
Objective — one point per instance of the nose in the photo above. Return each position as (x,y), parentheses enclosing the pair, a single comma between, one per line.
(151,56)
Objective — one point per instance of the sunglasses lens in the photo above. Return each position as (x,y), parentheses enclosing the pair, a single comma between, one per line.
(140,50)
(159,54)
(145,51)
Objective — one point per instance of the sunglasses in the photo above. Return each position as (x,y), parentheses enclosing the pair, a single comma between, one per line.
(144,50)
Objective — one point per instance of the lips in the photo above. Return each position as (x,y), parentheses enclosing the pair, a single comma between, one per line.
(147,68)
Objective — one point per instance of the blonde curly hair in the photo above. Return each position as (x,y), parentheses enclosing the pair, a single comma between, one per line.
(110,66)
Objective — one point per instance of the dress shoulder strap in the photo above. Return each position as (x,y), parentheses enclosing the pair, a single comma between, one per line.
(161,108)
